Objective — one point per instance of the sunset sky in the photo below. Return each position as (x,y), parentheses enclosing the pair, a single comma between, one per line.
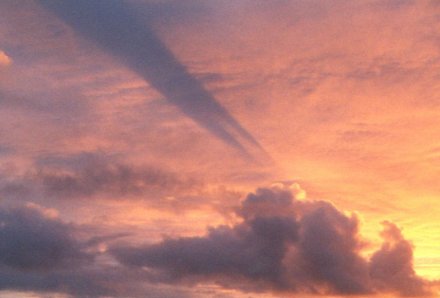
(219,149)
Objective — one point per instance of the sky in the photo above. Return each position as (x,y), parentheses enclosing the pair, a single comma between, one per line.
(220,149)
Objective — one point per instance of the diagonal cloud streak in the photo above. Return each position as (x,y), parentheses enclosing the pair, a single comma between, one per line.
(111,25)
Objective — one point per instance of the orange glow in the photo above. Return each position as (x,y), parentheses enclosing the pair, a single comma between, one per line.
(342,95)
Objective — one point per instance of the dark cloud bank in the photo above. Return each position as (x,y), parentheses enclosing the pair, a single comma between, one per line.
(285,245)
(281,245)
(29,240)
(40,253)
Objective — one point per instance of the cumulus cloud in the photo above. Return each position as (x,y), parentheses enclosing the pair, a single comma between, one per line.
(328,251)
(253,250)
(392,265)
(282,245)
(287,245)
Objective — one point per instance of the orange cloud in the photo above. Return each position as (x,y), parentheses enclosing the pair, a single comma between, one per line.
(5,60)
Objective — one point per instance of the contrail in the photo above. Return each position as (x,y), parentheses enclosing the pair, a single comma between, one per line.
(111,25)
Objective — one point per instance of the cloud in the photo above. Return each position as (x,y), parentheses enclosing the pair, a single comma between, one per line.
(112,26)
(77,283)
(5,60)
(87,175)
(328,250)
(283,245)
(253,251)
(392,265)
(33,239)
(40,253)
(114,179)
(89,282)
(60,106)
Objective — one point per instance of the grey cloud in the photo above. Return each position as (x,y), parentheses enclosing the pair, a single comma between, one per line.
(283,245)
(89,282)
(253,250)
(88,174)
(266,202)
(31,241)
(110,179)
(174,11)
(39,253)
(77,284)
(112,26)
(328,250)
(392,265)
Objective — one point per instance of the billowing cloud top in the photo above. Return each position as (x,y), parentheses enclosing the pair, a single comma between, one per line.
(280,245)
(285,245)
